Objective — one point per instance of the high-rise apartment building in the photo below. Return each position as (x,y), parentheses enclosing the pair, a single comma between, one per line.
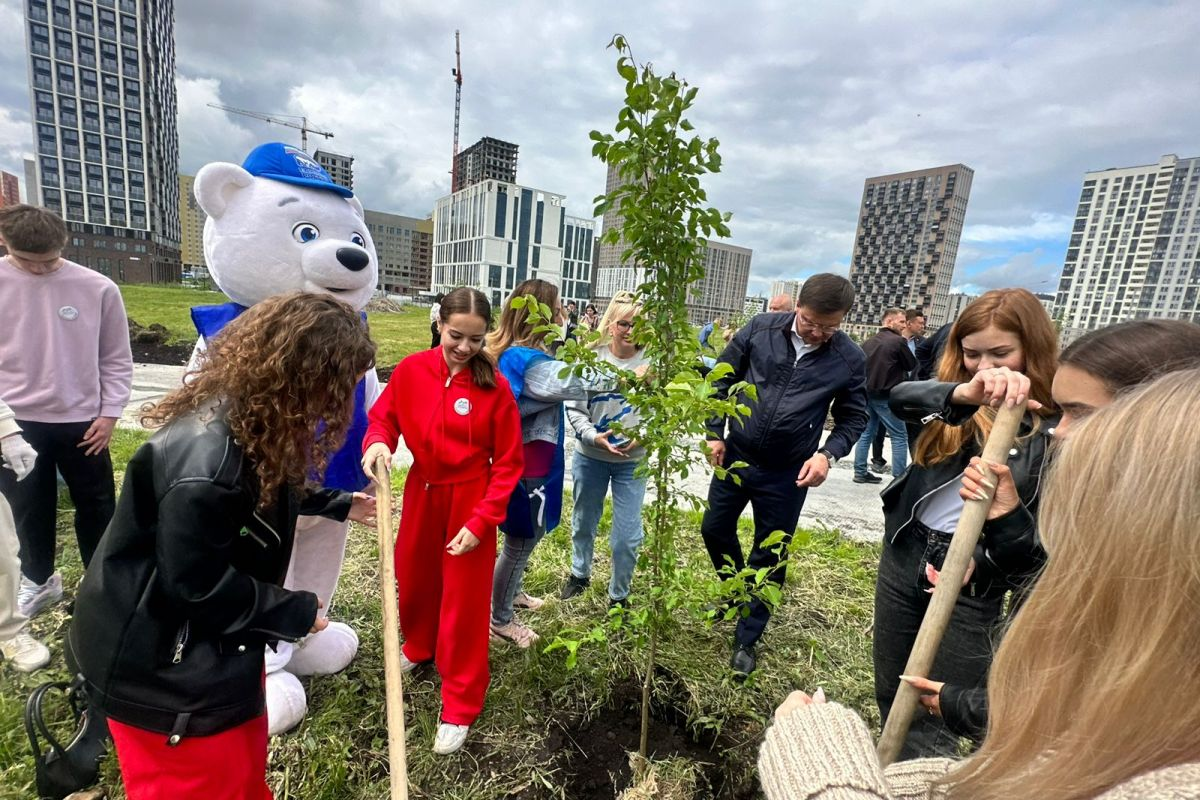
(191,227)
(754,305)
(790,288)
(32,196)
(339,167)
(721,293)
(722,290)
(1134,252)
(909,225)
(404,248)
(10,189)
(956,303)
(611,274)
(102,80)
(487,159)
(578,240)
(493,235)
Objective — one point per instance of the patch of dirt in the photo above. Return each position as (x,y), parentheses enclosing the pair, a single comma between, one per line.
(384,373)
(594,755)
(158,353)
(149,345)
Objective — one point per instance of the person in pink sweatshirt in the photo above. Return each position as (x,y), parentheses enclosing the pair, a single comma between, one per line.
(66,371)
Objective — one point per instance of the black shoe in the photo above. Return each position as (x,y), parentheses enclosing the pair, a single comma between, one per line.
(867,478)
(573,587)
(879,466)
(622,603)
(743,661)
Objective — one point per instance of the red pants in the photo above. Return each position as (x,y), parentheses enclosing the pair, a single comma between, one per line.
(231,765)
(444,599)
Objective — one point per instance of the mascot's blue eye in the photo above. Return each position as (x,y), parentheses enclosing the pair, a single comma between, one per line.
(358,239)
(305,232)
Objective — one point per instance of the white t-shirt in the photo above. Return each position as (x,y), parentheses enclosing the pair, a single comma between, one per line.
(941,510)
(802,347)
(434,311)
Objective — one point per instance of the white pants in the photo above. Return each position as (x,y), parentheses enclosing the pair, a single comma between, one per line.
(11,620)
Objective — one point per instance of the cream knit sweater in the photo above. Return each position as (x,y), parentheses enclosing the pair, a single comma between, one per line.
(825,751)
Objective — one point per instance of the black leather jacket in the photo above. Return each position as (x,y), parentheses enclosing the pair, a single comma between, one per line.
(1009,552)
(185,589)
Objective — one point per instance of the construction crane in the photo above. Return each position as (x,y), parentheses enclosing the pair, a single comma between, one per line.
(457,73)
(279,119)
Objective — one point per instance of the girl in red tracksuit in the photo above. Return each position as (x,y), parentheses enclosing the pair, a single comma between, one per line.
(458,417)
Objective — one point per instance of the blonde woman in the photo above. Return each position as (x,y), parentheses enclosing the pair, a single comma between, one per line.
(1092,689)
(603,456)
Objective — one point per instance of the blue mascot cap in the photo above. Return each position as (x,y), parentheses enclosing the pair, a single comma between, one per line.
(282,162)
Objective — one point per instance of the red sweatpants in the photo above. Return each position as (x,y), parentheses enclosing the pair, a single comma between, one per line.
(444,599)
(231,765)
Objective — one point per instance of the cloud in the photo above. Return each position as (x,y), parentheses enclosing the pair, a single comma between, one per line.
(807,100)
(205,129)
(1042,226)
(1035,270)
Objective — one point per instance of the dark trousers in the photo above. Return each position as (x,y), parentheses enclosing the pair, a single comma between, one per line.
(34,500)
(966,649)
(914,430)
(776,501)
(435,334)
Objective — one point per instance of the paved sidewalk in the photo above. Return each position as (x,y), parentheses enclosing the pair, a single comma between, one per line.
(853,508)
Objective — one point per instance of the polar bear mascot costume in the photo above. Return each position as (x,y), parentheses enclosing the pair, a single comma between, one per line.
(278,223)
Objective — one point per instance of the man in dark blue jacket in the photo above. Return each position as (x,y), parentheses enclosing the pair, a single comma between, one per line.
(801,364)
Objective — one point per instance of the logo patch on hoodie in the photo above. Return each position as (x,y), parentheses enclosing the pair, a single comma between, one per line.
(462,406)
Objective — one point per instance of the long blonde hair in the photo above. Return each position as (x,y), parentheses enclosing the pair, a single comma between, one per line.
(514,328)
(623,306)
(1095,681)
(1018,312)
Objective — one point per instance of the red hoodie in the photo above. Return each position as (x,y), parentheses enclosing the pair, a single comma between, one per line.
(457,431)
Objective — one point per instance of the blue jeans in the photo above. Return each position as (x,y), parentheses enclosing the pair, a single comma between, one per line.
(880,414)
(592,477)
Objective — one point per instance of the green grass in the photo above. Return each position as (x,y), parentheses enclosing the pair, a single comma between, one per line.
(820,636)
(396,334)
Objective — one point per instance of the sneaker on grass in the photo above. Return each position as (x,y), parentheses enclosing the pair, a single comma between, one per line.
(32,598)
(25,653)
(514,633)
(528,602)
(450,738)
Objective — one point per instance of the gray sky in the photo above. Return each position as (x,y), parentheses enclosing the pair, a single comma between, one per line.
(808,99)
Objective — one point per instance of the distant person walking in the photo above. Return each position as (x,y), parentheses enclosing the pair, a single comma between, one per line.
(889,362)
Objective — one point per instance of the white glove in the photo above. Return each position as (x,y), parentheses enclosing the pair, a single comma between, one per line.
(18,454)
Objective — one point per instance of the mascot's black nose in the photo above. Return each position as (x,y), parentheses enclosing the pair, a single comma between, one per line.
(353,258)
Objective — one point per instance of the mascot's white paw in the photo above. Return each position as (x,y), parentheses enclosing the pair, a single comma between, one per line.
(326,652)
(286,703)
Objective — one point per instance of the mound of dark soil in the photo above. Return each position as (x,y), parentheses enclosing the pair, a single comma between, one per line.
(595,753)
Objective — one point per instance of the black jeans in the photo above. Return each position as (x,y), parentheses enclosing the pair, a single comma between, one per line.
(776,501)
(34,500)
(900,603)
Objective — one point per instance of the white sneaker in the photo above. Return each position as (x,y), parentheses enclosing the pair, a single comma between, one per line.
(25,653)
(450,738)
(407,666)
(32,598)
